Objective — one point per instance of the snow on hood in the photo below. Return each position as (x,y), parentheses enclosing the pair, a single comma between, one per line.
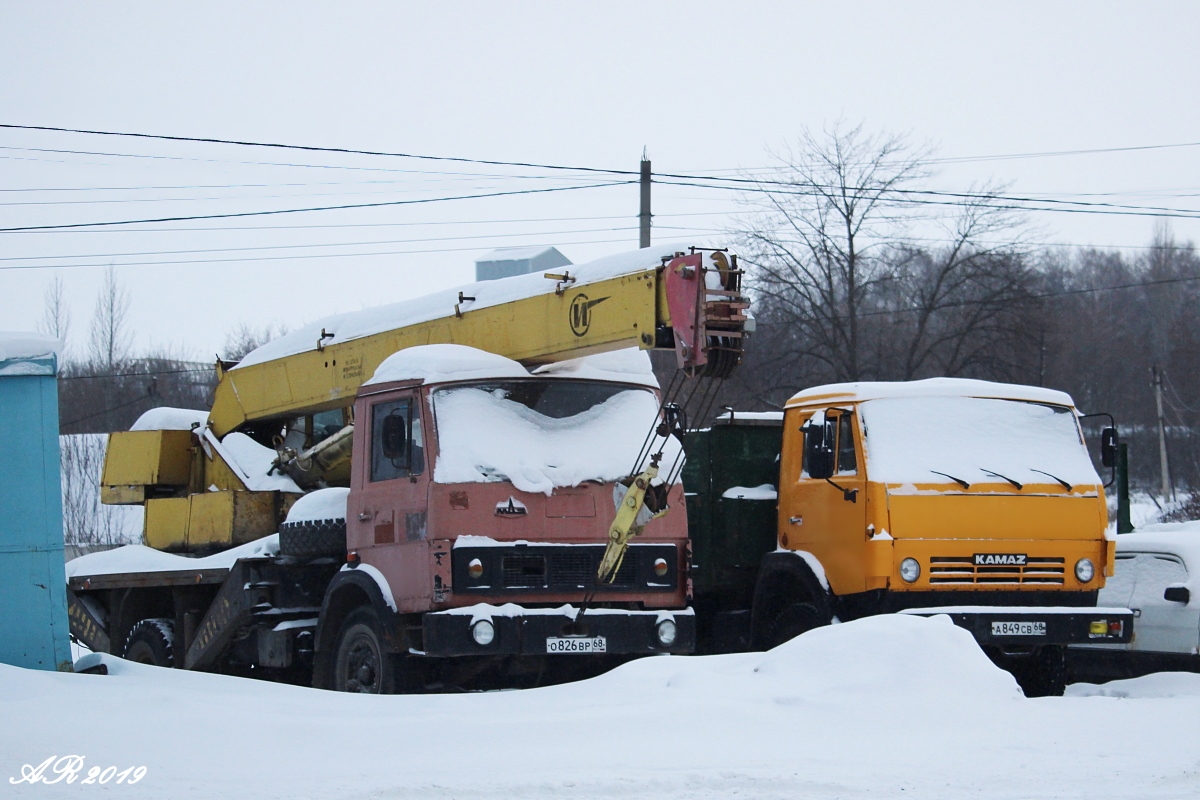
(139,558)
(436,363)
(358,324)
(165,418)
(485,437)
(320,505)
(910,439)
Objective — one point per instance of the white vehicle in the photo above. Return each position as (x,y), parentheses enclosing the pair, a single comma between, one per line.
(1157,576)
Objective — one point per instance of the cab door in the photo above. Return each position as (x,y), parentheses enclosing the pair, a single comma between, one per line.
(386,523)
(827,517)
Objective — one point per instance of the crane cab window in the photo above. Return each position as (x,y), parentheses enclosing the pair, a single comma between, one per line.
(847,462)
(397,445)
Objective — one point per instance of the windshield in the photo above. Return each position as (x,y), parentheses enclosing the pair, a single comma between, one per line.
(973,440)
(540,434)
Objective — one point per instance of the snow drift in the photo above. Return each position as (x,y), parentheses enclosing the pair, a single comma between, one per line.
(884,707)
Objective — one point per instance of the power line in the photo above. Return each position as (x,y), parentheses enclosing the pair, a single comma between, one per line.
(311,208)
(247,259)
(956,197)
(451,175)
(331,226)
(316,149)
(314,245)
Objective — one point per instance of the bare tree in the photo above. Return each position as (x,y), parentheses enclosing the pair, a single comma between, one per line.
(244,338)
(110,339)
(843,293)
(56,315)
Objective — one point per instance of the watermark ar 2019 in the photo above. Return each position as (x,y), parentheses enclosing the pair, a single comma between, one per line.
(70,769)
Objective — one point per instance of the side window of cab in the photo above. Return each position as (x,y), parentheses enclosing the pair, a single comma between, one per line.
(847,461)
(846,455)
(397,444)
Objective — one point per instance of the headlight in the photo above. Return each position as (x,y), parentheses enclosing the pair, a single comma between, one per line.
(475,569)
(483,633)
(661,567)
(666,632)
(910,570)
(1084,570)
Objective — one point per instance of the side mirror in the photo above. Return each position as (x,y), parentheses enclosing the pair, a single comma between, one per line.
(1108,447)
(1177,594)
(818,450)
(395,437)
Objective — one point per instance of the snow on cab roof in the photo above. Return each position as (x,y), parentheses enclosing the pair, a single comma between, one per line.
(340,328)
(930,387)
(441,363)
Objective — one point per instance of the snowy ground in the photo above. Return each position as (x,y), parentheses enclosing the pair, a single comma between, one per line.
(890,706)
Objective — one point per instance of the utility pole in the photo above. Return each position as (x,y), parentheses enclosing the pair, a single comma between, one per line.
(1162,435)
(644,214)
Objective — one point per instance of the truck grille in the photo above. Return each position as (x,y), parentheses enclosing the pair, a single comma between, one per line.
(561,568)
(565,570)
(962,570)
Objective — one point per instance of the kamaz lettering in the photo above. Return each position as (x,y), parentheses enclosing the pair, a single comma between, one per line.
(1000,559)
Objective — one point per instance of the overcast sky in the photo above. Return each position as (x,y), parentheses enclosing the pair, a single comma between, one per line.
(702,86)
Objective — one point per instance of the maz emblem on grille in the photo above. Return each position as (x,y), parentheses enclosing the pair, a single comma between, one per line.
(513,508)
(999,559)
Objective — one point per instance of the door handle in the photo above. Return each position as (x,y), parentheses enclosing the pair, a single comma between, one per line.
(796,520)
(365,516)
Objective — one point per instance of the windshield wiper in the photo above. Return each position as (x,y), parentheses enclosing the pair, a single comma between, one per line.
(959,481)
(1005,477)
(1061,482)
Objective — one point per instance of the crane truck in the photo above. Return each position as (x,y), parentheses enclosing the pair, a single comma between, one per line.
(456,483)
(972,499)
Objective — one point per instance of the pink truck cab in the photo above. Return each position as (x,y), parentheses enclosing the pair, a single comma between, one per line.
(480,502)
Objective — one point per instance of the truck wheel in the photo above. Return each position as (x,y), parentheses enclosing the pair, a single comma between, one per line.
(361,663)
(313,538)
(151,641)
(1043,673)
(792,621)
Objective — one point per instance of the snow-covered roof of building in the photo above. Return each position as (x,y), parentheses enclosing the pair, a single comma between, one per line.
(442,363)
(25,344)
(516,253)
(28,353)
(930,387)
(370,321)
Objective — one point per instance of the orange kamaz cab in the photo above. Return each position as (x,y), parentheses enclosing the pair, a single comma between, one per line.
(968,498)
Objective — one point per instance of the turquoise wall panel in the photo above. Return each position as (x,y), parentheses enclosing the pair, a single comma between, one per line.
(33,608)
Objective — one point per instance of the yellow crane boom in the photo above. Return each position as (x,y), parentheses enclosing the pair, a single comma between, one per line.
(616,302)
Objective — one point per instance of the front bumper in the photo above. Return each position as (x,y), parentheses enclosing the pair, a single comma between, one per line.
(1000,625)
(525,631)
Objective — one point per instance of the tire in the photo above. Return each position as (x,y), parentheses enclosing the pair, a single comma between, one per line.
(792,621)
(361,663)
(313,538)
(1043,673)
(151,641)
